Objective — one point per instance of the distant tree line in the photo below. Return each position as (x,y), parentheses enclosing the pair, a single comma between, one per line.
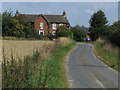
(99,27)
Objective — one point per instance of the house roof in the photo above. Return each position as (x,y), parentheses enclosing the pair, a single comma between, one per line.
(29,17)
(50,18)
(56,18)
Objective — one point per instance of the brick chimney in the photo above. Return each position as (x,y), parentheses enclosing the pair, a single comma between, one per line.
(64,14)
(17,13)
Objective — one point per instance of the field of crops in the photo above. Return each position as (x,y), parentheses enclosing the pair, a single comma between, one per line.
(35,64)
(21,48)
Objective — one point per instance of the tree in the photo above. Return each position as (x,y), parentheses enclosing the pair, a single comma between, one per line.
(79,33)
(11,26)
(98,25)
(16,26)
(29,32)
(63,31)
(115,38)
(6,23)
(114,31)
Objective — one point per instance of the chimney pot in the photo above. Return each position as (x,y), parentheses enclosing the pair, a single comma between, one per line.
(64,14)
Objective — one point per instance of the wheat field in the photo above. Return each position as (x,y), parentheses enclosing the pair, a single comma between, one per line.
(37,70)
(21,48)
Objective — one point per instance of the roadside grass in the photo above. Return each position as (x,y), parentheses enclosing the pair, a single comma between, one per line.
(36,70)
(56,63)
(107,53)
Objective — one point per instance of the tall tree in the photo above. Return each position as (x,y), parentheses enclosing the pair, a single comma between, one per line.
(114,31)
(98,23)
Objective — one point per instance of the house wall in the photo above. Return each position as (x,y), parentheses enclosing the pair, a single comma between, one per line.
(57,26)
(45,28)
(37,24)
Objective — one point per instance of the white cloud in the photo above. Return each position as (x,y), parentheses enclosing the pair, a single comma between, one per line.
(104,6)
(89,11)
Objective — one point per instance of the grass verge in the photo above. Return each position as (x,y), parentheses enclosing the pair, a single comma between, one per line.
(56,63)
(107,53)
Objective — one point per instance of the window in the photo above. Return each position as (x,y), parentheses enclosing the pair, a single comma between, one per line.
(54,26)
(60,24)
(41,25)
(53,32)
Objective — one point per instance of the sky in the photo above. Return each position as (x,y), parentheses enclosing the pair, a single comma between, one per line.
(78,13)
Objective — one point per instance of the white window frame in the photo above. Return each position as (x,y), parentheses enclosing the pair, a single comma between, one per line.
(61,24)
(41,25)
(53,32)
(54,26)
(40,32)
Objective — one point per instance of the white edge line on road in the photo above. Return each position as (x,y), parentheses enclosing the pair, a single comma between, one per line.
(100,83)
(112,69)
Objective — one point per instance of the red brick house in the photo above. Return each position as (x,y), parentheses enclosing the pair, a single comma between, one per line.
(45,24)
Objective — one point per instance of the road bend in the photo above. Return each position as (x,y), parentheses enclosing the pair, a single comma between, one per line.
(87,71)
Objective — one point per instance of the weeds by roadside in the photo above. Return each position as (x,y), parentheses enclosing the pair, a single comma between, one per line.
(18,73)
(107,52)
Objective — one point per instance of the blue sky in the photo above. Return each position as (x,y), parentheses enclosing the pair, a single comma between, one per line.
(78,13)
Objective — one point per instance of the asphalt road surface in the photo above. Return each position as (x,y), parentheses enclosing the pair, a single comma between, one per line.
(87,71)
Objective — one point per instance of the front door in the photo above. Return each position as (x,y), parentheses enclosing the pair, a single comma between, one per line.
(41,32)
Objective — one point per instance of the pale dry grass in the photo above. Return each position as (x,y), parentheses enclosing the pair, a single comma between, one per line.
(19,48)
(8,38)
(108,46)
(64,41)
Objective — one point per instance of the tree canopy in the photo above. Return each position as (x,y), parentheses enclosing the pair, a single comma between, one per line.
(63,31)
(98,24)
(13,26)
(98,19)
(79,33)
(114,31)
(99,28)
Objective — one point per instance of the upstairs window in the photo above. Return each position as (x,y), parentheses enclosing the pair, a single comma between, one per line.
(54,26)
(41,25)
(61,24)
